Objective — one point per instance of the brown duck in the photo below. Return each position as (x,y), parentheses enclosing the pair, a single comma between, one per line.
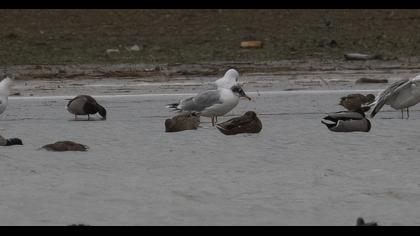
(85,105)
(248,123)
(353,102)
(62,146)
(184,121)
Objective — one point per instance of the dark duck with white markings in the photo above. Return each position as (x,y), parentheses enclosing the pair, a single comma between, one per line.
(347,121)
(10,141)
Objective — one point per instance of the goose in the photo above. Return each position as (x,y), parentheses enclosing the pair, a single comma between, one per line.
(85,105)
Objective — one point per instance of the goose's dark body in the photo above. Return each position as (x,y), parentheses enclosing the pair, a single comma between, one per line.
(85,105)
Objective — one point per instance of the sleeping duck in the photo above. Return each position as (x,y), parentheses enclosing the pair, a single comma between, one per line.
(347,121)
(248,123)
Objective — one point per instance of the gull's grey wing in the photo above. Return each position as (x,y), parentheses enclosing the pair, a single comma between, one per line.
(201,101)
(388,93)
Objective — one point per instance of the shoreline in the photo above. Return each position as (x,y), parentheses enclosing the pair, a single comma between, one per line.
(165,72)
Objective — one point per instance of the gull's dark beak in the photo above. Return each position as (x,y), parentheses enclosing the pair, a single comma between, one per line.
(243,94)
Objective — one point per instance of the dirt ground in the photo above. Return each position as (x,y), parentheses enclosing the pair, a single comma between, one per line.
(57,37)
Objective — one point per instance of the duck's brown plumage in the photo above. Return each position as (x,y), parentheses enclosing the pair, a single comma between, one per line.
(184,121)
(353,102)
(62,146)
(248,123)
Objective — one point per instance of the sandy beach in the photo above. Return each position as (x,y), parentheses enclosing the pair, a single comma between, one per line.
(295,172)
(136,61)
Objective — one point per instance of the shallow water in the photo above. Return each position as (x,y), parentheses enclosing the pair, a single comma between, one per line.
(295,172)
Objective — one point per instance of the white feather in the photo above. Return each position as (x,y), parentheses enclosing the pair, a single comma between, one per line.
(5,85)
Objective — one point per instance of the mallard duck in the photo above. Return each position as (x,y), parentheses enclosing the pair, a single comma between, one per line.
(185,121)
(247,123)
(62,146)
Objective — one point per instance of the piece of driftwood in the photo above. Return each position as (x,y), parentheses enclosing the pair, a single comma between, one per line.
(371,81)
(361,57)
(251,44)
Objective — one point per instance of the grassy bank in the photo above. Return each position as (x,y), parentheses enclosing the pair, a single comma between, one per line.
(56,37)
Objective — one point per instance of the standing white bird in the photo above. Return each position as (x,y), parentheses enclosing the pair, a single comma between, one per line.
(400,95)
(5,85)
(228,80)
(212,103)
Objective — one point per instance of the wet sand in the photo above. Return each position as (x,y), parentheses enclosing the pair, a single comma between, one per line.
(295,172)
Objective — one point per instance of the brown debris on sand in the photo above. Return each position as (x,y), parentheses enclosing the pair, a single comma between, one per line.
(361,57)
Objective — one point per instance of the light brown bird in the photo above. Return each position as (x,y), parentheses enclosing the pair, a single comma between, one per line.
(248,123)
(184,121)
(354,102)
(62,146)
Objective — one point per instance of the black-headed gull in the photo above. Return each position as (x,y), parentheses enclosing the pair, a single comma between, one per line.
(212,103)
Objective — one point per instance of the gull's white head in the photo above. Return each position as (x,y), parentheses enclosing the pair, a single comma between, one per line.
(416,79)
(232,74)
(5,85)
(229,79)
